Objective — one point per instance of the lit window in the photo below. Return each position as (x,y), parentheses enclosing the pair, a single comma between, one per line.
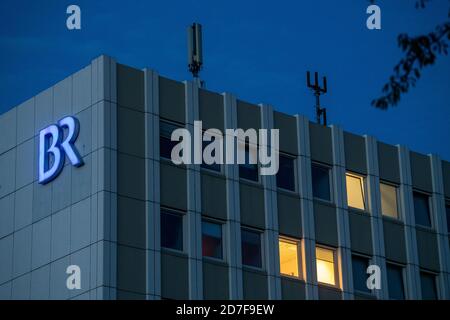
(289,258)
(165,144)
(447,210)
(359,269)
(355,191)
(428,286)
(396,288)
(422,209)
(326,268)
(251,248)
(171,230)
(321,182)
(248,170)
(212,239)
(389,200)
(286,173)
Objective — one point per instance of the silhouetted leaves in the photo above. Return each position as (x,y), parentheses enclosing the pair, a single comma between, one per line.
(419,52)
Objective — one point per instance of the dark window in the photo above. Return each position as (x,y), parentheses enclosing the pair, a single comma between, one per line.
(251,248)
(286,173)
(165,144)
(214,166)
(428,284)
(359,267)
(395,282)
(247,170)
(321,182)
(447,210)
(422,209)
(171,230)
(212,239)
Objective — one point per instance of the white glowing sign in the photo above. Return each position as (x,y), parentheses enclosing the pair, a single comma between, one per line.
(53,147)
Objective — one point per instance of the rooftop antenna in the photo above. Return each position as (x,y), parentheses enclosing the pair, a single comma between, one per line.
(317,92)
(195,54)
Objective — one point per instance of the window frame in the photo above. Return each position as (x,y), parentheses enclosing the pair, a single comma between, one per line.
(430,208)
(204,166)
(182,215)
(397,195)
(335,265)
(297,242)
(293,158)
(369,261)
(221,223)
(402,267)
(436,284)
(258,176)
(261,239)
(364,190)
(172,123)
(330,181)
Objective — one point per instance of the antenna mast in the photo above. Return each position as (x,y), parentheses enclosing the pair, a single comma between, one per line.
(317,92)
(195,54)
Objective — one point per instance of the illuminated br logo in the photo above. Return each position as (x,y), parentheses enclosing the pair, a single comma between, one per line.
(56,141)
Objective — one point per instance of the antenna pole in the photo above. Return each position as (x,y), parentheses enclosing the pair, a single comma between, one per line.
(195,51)
(318,90)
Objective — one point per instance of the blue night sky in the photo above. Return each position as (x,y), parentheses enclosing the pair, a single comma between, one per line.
(258,50)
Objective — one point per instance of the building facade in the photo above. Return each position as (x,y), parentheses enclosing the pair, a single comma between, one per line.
(140,227)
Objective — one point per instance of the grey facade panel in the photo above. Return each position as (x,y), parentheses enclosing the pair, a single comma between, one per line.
(428,249)
(325,224)
(446,177)
(173,187)
(388,162)
(360,232)
(327,293)
(171,100)
(248,116)
(215,281)
(421,171)
(211,110)
(174,276)
(252,205)
(7,172)
(130,87)
(394,241)
(289,215)
(131,176)
(255,285)
(214,196)
(131,274)
(8,130)
(131,222)
(6,254)
(292,289)
(131,124)
(320,143)
(355,153)
(7,215)
(288,132)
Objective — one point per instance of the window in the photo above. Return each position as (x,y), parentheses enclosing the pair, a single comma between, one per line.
(326,266)
(212,239)
(421,209)
(214,166)
(321,182)
(359,268)
(251,248)
(247,170)
(171,230)
(165,144)
(447,210)
(395,282)
(355,191)
(389,200)
(289,264)
(286,173)
(428,285)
